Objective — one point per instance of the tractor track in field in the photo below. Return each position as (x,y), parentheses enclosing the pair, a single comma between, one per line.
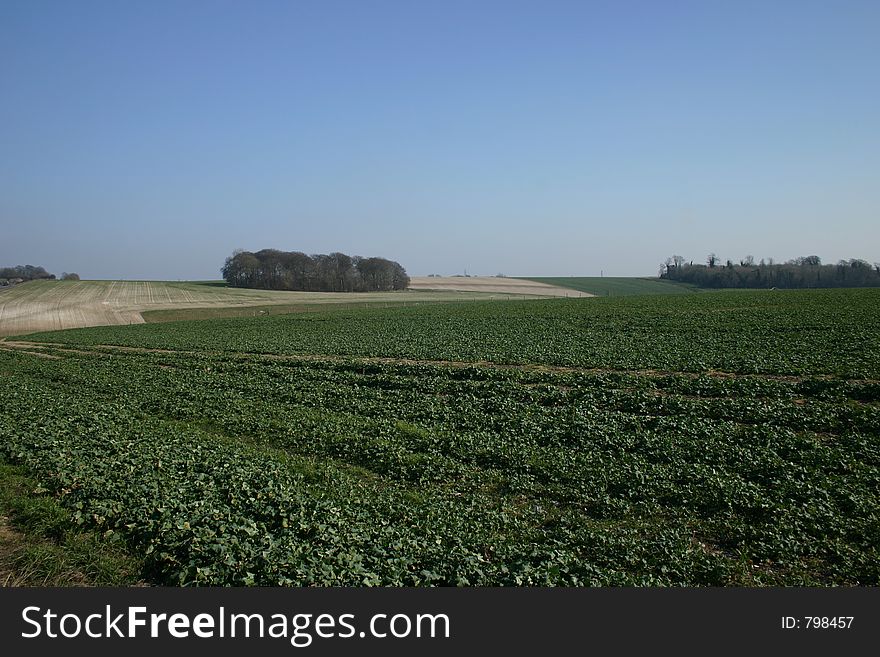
(28,347)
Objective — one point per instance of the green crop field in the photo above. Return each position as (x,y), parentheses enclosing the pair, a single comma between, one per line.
(706,439)
(612,286)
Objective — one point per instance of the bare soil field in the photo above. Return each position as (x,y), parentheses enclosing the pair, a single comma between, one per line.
(494,284)
(56,305)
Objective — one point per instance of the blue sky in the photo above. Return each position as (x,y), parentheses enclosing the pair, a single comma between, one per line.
(150,139)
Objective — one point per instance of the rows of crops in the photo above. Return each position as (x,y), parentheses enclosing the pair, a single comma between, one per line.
(279,451)
(796,332)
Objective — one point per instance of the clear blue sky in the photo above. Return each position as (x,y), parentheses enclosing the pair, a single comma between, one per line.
(150,139)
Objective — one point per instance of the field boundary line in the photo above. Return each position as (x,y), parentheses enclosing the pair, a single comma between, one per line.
(38,354)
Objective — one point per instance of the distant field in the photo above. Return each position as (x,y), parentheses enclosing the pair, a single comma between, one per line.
(496,284)
(55,305)
(694,440)
(611,286)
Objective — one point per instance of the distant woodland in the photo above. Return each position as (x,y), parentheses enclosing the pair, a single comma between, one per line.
(21,273)
(271,269)
(804,272)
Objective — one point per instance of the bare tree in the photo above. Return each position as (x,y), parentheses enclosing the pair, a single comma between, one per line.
(801,272)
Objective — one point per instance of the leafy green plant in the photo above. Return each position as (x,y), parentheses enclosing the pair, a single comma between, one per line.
(711,439)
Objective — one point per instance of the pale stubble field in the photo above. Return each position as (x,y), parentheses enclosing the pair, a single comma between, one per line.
(57,305)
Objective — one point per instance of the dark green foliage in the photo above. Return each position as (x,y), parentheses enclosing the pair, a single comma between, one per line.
(270,269)
(25,273)
(240,457)
(43,547)
(766,332)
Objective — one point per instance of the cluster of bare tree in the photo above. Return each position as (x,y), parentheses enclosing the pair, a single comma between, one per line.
(271,269)
(24,273)
(803,272)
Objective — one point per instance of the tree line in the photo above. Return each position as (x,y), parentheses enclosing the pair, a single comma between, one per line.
(271,269)
(802,272)
(25,273)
